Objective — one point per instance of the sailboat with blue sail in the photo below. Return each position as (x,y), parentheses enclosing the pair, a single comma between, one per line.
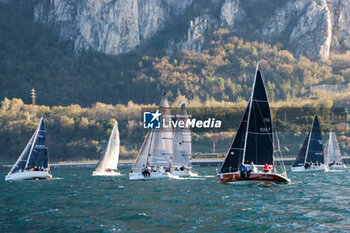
(33,163)
(311,156)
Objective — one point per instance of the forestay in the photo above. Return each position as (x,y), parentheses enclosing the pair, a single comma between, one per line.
(234,156)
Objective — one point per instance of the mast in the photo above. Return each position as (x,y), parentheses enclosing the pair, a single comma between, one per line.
(249,112)
(33,143)
(161,152)
(315,146)
(308,142)
(259,134)
(149,148)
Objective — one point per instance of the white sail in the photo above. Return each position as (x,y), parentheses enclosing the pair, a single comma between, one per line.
(161,151)
(332,149)
(182,141)
(141,159)
(110,158)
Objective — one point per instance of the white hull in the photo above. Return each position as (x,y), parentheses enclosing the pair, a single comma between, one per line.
(153,176)
(29,175)
(111,173)
(310,169)
(183,173)
(337,166)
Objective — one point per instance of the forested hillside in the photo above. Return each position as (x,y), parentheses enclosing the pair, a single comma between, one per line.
(32,57)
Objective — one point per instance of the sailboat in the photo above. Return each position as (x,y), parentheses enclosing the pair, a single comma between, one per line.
(253,142)
(181,163)
(156,151)
(332,152)
(109,160)
(33,163)
(311,156)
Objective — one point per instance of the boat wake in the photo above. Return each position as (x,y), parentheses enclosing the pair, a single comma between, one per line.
(57,178)
(335,170)
(188,178)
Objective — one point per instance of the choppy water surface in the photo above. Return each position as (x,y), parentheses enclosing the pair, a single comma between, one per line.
(76,201)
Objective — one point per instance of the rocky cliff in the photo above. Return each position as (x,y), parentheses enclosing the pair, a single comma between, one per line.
(306,27)
(107,26)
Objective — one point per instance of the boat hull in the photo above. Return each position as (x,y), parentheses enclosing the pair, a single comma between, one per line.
(310,169)
(333,167)
(29,175)
(153,176)
(111,173)
(183,173)
(255,177)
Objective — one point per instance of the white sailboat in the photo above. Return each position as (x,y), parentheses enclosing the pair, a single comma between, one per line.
(332,152)
(181,163)
(156,152)
(108,163)
(33,163)
(311,156)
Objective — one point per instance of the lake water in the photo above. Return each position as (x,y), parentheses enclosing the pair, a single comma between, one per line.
(76,201)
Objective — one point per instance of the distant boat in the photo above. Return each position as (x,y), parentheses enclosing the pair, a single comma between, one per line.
(311,155)
(108,163)
(332,152)
(157,150)
(33,163)
(253,142)
(181,163)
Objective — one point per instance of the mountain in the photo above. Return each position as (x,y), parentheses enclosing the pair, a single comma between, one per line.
(114,51)
(114,27)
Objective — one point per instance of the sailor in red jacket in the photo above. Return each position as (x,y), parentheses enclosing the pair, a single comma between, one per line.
(267,168)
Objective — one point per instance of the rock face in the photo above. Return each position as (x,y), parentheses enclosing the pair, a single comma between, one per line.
(313,33)
(341,21)
(195,37)
(283,19)
(108,26)
(231,13)
(306,27)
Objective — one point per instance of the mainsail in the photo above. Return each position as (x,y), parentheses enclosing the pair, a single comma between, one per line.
(161,151)
(110,158)
(35,154)
(259,136)
(182,141)
(254,138)
(332,151)
(314,151)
